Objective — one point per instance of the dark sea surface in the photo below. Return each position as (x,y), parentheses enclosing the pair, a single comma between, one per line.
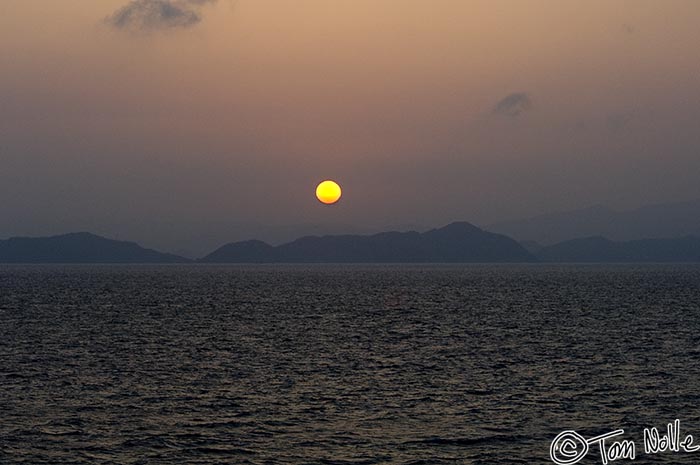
(342,364)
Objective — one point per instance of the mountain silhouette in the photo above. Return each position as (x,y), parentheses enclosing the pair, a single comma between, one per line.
(456,242)
(600,249)
(459,242)
(79,248)
(663,220)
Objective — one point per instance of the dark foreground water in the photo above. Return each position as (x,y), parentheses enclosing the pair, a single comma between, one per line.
(342,364)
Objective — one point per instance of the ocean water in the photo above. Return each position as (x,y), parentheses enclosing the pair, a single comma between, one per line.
(326,364)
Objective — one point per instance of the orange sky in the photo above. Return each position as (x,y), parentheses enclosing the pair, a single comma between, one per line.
(233,118)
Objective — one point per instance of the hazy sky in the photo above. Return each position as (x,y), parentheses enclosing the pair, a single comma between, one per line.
(183,122)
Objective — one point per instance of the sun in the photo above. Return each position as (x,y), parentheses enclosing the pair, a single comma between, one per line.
(328,192)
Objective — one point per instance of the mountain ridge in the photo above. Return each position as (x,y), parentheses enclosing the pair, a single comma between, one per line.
(79,247)
(456,242)
(598,249)
(663,220)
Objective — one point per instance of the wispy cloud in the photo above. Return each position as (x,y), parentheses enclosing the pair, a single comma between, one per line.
(513,105)
(152,15)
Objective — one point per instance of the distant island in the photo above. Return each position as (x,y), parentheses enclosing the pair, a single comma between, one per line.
(601,250)
(459,242)
(79,248)
(456,242)
(668,220)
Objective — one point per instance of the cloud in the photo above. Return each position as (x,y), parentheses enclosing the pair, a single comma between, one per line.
(513,105)
(151,15)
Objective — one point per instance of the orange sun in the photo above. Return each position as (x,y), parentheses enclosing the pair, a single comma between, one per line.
(328,192)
